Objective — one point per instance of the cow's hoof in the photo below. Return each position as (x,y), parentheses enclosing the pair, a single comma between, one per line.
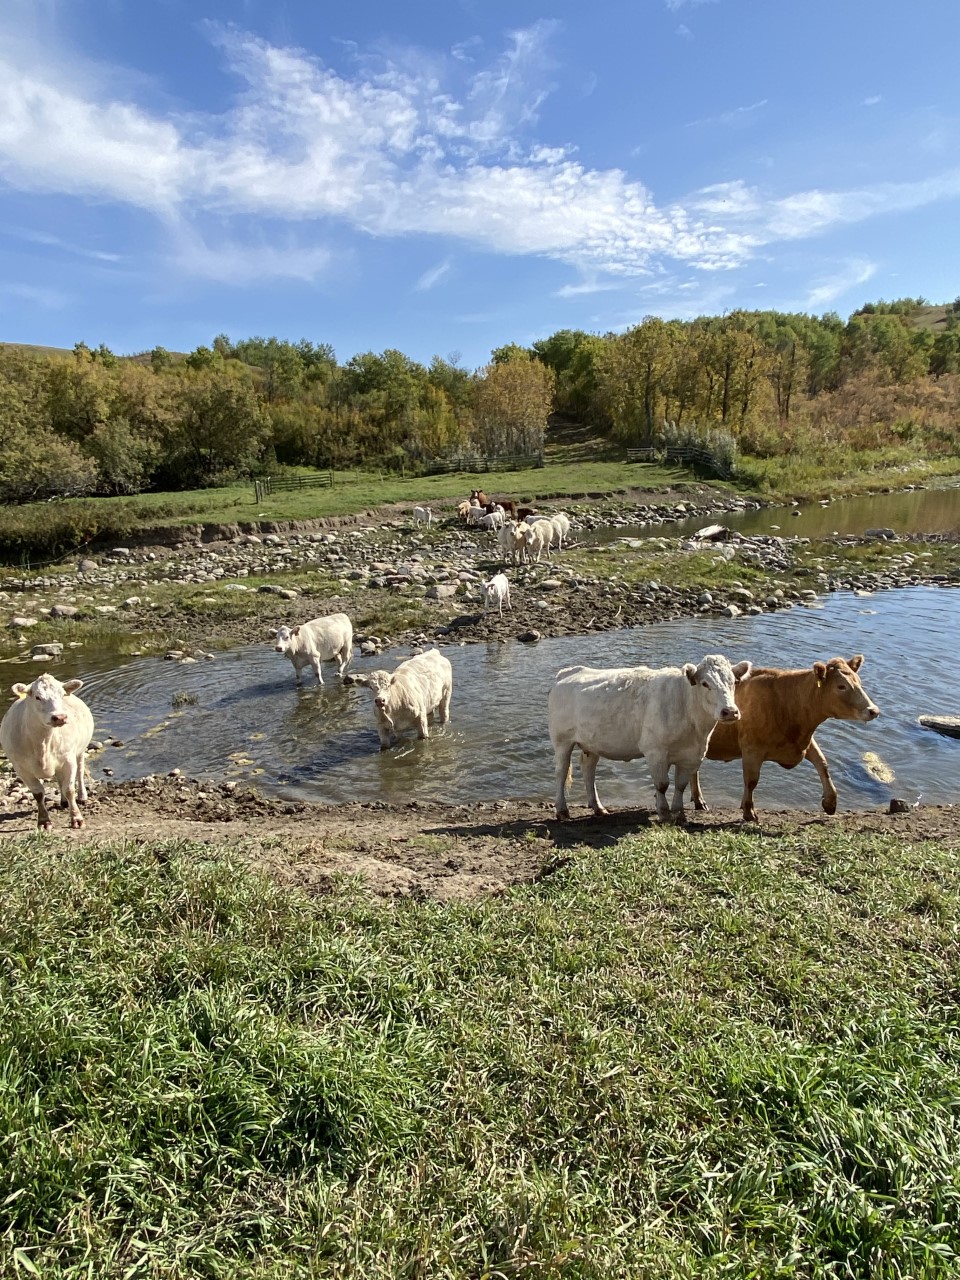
(76,822)
(563,815)
(751,816)
(701,806)
(829,806)
(600,811)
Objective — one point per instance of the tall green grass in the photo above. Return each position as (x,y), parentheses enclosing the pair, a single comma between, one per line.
(679,1055)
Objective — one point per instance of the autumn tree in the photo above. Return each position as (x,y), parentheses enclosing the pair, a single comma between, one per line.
(512,402)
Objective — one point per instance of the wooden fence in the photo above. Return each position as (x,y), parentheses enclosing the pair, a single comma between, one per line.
(687,456)
(445,466)
(282,484)
(502,462)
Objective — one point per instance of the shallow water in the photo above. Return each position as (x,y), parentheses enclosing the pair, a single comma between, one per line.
(921,511)
(249,721)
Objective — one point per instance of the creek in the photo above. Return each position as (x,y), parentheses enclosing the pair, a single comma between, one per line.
(917,511)
(241,716)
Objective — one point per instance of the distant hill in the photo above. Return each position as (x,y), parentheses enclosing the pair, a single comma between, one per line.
(933,318)
(140,357)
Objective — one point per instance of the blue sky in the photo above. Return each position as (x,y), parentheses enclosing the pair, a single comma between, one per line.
(449,175)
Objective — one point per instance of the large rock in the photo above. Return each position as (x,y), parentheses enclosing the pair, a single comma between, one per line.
(64,611)
(949,726)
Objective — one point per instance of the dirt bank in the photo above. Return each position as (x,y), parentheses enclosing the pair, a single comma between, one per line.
(421,850)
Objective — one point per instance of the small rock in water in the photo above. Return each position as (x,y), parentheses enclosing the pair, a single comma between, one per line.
(949,726)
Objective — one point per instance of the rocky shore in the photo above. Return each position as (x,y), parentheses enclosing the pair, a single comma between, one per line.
(199,594)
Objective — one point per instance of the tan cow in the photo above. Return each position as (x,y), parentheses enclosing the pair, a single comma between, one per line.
(779,713)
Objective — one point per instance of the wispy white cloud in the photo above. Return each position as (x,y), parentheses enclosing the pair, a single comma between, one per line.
(732,116)
(245,263)
(684,32)
(36,295)
(432,277)
(674,5)
(872,100)
(854,272)
(56,242)
(587,286)
(390,152)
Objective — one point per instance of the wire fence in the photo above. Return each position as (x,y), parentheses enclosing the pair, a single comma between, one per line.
(263,486)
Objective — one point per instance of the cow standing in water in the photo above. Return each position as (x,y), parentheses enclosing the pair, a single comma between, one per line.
(779,713)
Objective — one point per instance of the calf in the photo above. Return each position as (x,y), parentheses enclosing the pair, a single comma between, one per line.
(478,496)
(511,542)
(779,713)
(496,592)
(407,697)
(45,734)
(666,715)
(321,640)
(422,515)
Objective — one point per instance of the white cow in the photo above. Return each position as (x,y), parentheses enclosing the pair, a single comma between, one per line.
(511,542)
(322,640)
(538,536)
(422,515)
(496,593)
(666,715)
(45,734)
(407,697)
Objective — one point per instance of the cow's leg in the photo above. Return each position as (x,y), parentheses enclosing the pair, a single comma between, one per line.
(343,659)
(819,762)
(561,762)
(751,776)
(681,776)
(423,728)
(588,763)
(82,778)
(67,782)
(660,769)
(316,664)
(696,795)
(444,709)
(36,788)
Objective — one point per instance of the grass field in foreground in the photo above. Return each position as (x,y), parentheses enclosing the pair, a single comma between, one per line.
(686,1054)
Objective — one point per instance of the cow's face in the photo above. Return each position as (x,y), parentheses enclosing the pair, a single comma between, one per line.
(378,682)
(284,639)
(842,693)
(48,698)
(715,681)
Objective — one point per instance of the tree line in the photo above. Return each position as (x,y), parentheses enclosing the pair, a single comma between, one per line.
(759,381)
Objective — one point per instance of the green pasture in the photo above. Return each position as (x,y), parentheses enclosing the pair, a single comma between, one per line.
(680,1054)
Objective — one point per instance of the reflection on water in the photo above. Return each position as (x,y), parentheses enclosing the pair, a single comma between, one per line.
(922,511)
(251,723)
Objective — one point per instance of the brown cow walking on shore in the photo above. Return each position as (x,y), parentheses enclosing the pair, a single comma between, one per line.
(779,713)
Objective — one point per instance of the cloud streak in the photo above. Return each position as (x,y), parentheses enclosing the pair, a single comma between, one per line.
(391,152)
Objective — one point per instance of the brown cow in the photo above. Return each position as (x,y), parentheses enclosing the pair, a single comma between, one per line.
(479,496)
(780,712)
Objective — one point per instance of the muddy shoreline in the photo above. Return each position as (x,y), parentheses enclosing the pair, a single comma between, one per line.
(421,849)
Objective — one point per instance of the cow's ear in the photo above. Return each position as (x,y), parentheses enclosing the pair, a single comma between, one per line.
(20,690)
(820,670)
(296,630)
(856,662)
(742,670)
(690,671)
(72,686)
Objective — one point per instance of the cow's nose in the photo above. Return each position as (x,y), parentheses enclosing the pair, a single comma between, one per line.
(278,648)
(873,712)
(58,719)
(730,713)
